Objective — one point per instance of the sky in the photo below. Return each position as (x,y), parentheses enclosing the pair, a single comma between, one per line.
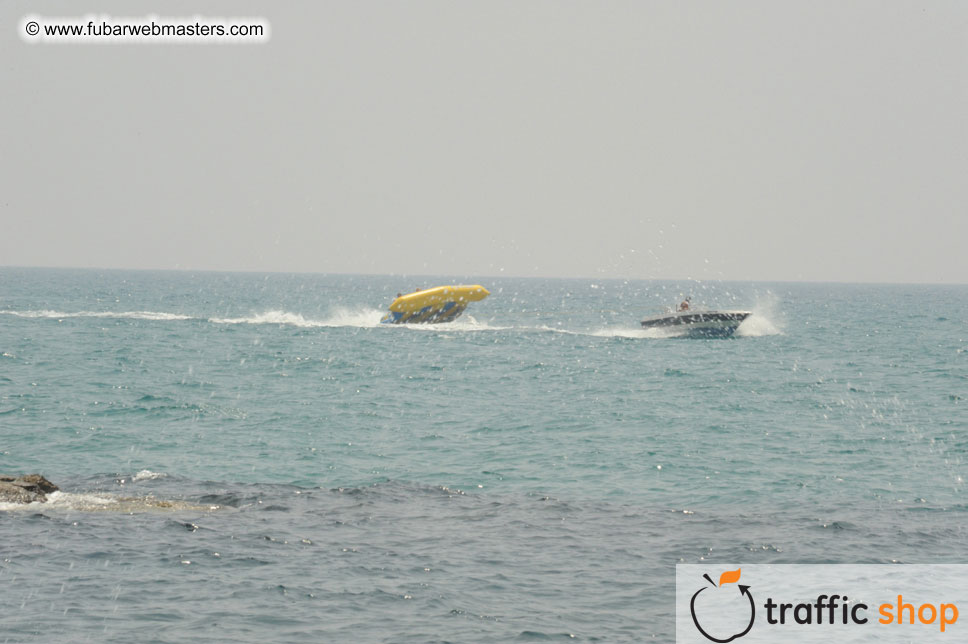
(748,140)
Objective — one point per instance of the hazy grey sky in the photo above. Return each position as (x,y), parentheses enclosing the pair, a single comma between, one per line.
(735,140)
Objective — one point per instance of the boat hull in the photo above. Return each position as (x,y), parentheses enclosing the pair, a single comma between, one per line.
(709,324)
(433,305)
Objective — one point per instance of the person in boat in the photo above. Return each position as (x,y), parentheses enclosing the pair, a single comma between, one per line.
(684,305)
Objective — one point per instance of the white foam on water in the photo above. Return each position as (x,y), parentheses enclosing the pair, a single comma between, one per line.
(119,315)
(470,323)
(463,323)
(63,501)
(766,319)
(71,501)
(364,318)
(148,475)
(611,332)
(755,326)
(269,317)
(640,333)
(361,318)
(81,502)
(13,507)
(551,329)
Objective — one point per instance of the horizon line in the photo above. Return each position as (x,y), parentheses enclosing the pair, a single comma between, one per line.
(498,276)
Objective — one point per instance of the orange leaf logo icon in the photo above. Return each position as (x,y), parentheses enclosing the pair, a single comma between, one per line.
(729,577)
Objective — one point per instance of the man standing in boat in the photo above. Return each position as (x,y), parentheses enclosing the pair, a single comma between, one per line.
(684,306)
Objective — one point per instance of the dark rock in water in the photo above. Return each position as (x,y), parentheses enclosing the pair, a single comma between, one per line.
(28,488)
(36,483)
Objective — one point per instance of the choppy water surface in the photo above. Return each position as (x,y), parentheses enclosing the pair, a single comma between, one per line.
(253,458)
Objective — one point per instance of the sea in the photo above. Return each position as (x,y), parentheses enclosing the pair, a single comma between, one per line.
(249,457)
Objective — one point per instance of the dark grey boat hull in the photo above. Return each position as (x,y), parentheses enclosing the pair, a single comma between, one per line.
(698,323)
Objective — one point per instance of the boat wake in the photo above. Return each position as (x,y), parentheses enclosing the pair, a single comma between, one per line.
(464,323)
(340,318)
(363,317)
(637,334)
(763,322)
(124,315)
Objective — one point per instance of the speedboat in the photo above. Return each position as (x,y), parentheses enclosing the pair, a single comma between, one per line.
(698,323)
(433,305)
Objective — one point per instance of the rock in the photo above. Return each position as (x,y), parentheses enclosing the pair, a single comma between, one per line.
(29,488)
(35,483)
(10,493)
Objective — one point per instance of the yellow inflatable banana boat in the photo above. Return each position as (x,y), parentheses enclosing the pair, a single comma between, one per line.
(433,305)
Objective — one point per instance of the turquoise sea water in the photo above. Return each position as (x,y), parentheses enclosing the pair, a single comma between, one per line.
(531,472)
